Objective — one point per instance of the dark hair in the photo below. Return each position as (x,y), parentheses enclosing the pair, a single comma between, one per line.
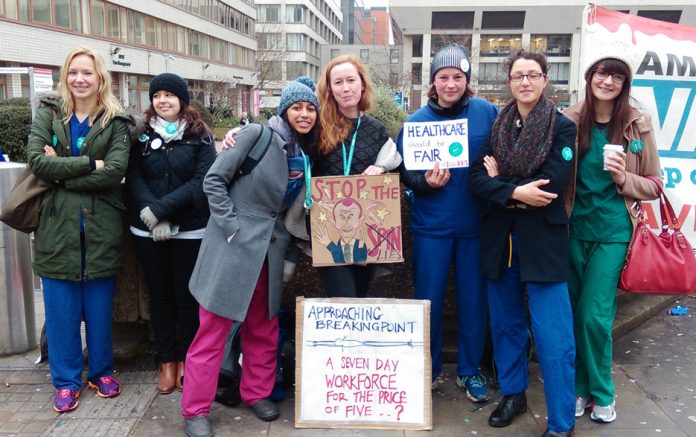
(523,54)
(308,142)
(619,113)
(432,93)
(194,122)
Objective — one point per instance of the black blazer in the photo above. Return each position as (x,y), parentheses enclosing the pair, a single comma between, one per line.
(542,233)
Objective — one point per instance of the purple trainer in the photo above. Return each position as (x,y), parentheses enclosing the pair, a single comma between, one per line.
(106,386)
(66,400)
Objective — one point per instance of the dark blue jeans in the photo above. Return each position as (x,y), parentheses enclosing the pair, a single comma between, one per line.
(66,304)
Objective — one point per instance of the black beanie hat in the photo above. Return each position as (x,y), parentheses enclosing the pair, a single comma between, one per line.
(172,83)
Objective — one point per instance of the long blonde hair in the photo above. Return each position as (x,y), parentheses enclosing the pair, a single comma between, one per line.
(107,104)
(335,126)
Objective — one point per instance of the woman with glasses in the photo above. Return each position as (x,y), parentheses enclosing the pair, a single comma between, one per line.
(521,175)
(603,217)
(172,151)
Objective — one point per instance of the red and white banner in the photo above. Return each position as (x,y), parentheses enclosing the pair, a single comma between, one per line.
(664,58)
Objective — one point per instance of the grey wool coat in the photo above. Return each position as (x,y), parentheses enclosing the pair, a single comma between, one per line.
(251,208)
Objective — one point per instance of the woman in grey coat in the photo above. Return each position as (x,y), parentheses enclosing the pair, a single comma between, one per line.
(239,271)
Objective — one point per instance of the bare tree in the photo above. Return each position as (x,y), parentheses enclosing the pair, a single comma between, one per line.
(223,95)
(271,52)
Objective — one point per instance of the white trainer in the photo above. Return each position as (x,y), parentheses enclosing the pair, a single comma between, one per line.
(604,414)
(581,404)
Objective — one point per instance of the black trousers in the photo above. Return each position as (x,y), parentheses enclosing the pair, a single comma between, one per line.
(173,311)
(345,281)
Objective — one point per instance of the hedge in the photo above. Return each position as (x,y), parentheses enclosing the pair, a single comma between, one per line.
(15,124)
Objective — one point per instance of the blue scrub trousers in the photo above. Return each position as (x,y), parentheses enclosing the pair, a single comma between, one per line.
(432,259)
(66,304)
(552,328)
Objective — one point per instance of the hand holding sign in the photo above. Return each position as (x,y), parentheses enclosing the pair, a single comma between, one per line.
(437,177)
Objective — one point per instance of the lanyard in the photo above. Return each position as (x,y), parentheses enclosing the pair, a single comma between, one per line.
(349,161)
(308,181)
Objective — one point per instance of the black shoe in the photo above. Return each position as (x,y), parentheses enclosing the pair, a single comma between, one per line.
(198,426)
(548,433)
(507,409)
(266,410)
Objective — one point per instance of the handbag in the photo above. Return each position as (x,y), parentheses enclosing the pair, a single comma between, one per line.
(661,263)
(21,210)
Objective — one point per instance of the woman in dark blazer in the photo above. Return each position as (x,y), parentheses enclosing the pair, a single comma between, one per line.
(172,151)
(239,272)
(521,174)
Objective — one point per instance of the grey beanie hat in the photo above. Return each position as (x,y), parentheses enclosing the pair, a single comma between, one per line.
(299,90)
(453,55)
(171,82)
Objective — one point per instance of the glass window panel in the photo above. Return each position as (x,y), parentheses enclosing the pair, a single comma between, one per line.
(499,45)
(365,56)
(181,40)
(452,20)
(294,69)
(97,19)
(62,13)
(131,26)
(417,51)
(11,9)
(439,41)
(394,56)
(41,11)
(24,10)
(171,37)
(296,42)
(150,31)
(113,21)
(139,28)
(274,71)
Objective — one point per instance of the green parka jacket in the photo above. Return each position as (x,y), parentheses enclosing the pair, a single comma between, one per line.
(76,186)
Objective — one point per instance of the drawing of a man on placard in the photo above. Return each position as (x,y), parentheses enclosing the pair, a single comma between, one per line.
(348,219)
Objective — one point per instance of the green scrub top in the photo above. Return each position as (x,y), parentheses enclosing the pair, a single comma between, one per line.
(599,213)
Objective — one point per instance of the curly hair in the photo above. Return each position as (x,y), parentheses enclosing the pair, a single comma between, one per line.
(335,126)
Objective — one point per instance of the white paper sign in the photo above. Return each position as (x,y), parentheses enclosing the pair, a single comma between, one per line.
(426,143)
(363,363)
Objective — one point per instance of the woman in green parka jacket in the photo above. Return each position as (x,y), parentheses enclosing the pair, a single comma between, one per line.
(79,142)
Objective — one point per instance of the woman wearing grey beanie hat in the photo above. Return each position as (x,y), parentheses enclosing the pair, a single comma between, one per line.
(445,221)
(600,235)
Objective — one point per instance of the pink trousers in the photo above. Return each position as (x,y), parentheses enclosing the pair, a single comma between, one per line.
(259,354)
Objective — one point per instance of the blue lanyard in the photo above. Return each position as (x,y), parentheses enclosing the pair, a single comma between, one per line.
(308,181)
(347,162)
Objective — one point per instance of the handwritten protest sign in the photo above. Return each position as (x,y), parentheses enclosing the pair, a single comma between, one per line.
(356,220)
(426,143)
(363,363)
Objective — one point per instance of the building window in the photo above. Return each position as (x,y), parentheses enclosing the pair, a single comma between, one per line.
(270,41)
(394,56)
(296,42)
(491,73)
(417,51)
(559,72)
(499,45)
(97,18)
(668,16)
(365,56)
(295,13)
(294,69)
(41,11)
(439,41)
(551,45)
(417,73)
(452,20)
(61,11)
(269,13)
(275,69)
(502,20)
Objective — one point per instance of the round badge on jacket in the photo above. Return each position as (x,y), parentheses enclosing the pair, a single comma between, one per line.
(567,153)
(171,128)
(143,138)
(156,144)
(55,140)
(80,142)
(636,146)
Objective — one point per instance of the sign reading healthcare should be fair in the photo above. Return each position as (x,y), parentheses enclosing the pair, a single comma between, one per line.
(363,363)
(426,143)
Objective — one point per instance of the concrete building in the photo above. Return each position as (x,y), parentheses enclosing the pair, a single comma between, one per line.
(209,42)
(289,38)
(489,29)
(384,61)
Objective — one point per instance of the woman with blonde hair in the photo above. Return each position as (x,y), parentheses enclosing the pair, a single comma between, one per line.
(351,142)
(79,143)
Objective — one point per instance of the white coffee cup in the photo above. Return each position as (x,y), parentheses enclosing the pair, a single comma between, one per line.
(611,150)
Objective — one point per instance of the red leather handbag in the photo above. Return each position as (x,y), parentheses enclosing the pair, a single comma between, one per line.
(659,264)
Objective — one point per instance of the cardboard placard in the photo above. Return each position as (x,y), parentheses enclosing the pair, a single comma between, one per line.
(356,220)
(363,363)
(446,142)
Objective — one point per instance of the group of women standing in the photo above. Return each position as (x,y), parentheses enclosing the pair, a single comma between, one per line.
(534,224)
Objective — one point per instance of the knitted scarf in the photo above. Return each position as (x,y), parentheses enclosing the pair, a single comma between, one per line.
(521,151)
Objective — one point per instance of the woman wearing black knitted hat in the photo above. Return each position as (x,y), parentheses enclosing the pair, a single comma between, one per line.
(521,175)
(172,151)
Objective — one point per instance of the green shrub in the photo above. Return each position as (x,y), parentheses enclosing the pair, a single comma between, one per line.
(15,124)
(387,112)
(267,113)
(203,111)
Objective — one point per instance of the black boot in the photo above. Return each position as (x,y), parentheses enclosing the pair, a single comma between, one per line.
(507,409)
(548,433)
